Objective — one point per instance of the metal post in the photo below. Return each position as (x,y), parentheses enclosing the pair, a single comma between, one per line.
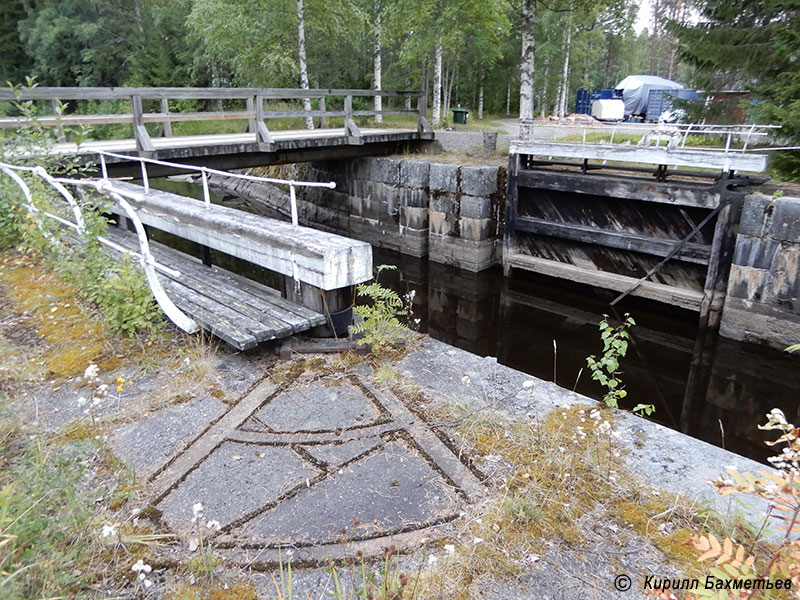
(103,169)
(145,180)
(206,195)
(293,200)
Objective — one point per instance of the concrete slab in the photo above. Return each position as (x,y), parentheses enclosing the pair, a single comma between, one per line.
(388,491)
(235,480)
(319,407)
(151,442)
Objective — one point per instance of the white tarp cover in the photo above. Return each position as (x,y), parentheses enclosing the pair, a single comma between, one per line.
(636,91)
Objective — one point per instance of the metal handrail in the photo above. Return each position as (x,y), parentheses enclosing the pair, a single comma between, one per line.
(204,171)
(146,259)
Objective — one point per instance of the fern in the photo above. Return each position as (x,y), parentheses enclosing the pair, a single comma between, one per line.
(381,326)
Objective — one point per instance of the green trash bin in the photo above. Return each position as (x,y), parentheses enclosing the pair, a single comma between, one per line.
(460,116)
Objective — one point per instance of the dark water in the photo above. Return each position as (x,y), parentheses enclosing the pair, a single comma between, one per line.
(701,384)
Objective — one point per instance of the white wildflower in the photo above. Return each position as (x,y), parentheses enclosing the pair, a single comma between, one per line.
(141,567)
(776,415)
(148,583)
(450,549)
(477,541)
(197,512)
(101,389)
(108,531)
(213,524)
(91,372)
(527,384)
(81,401)
(432,559)
(465,380)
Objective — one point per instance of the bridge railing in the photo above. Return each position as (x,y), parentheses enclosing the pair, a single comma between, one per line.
(322,262)
(254,113)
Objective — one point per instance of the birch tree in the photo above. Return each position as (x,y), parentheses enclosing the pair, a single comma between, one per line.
(376,62)
(526,71)
(301,59)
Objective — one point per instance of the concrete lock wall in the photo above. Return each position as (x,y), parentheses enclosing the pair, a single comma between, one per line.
(763,301)
(450,213)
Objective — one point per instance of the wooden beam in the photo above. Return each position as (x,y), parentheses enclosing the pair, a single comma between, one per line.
(114,93)
(684,298)
(166,124)
(324,260)
(654,155)
(143,141)
(263,138)
(352,131)
(679,193)
(693,253)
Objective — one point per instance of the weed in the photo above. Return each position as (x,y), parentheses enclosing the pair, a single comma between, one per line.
(381,328)
(606,368)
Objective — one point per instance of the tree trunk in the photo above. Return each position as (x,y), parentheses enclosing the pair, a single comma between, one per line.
(564,91)
(408,87)
(607,71)
(526,71)
(445,92)
(377,61)
(301,55)
(508,98)
(437,86)
(480,95)
(543,105)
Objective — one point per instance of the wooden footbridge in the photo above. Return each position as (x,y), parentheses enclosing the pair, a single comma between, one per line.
(318,270)
(153,120)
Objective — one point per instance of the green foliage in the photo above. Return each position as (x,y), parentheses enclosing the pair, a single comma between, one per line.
(738,44)
(117,287)
(46,523)
(381,327)
(606,368)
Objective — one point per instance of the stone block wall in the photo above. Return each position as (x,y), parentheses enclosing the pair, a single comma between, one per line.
(763,301)
(450,213)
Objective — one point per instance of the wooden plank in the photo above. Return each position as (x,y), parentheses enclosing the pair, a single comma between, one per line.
(655,155)
(219,325)
(295,114)
(694,253)
(629,188)
(512,200)
(684,298)
(13,122)
(722,249)
(281,314)
(324,260)
(112,93)
(166,124)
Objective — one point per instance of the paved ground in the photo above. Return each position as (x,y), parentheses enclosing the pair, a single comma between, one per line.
(325,466)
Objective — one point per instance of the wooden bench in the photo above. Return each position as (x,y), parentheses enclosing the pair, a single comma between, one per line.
(320,269)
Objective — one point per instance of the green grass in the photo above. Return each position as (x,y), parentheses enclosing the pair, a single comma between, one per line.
(47,526)
(693,141)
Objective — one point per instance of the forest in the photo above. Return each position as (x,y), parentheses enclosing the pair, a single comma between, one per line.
(521,58)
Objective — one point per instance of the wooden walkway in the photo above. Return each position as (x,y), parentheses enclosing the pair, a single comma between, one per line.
(238,310)
(258,145)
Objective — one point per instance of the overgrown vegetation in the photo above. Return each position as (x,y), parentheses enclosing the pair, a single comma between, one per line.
(381,327)
(116,287)
(606,369)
